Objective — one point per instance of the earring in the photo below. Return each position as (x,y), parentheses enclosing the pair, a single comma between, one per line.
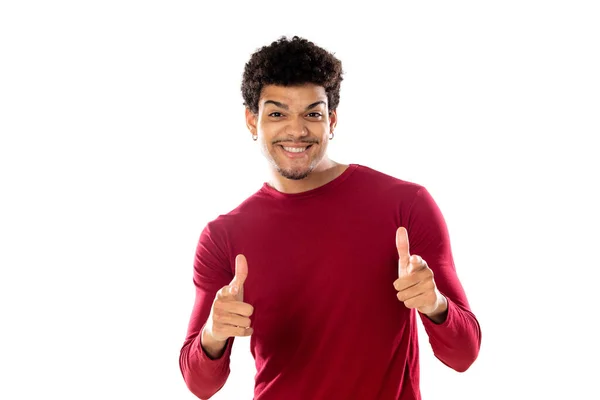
(331,135)
(254,137)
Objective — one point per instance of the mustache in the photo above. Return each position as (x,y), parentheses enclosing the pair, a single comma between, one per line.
(292,140)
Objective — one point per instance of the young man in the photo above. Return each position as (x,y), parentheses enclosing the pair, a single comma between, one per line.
(316,266)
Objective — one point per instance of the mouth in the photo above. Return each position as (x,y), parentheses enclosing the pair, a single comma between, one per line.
(295,151)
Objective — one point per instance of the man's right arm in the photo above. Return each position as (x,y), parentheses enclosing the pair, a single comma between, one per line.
(203,373)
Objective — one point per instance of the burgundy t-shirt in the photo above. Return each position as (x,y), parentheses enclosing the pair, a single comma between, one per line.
(321,266)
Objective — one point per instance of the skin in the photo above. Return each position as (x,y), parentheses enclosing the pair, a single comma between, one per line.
(415,284)
(298,116)
(229,315)
(295,116)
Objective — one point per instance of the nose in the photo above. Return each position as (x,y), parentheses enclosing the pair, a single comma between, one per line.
(296,128)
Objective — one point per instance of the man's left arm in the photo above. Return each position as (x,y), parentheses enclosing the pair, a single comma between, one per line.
(428,282)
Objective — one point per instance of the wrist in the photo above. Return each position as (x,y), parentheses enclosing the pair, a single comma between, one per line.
(441,311)
(213,348)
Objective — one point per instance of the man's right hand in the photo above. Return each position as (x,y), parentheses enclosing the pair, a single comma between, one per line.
(229,315)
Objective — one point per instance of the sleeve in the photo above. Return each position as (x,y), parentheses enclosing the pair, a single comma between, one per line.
(205,376)
(456,341)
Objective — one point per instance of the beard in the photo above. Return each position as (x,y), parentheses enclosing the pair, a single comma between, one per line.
(295,174)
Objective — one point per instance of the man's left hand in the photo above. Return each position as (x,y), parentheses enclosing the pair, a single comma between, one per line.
(415,284)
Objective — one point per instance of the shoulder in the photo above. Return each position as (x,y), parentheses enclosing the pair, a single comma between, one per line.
(249,209)
(384,183)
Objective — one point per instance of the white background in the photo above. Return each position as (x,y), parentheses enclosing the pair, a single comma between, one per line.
(122,135)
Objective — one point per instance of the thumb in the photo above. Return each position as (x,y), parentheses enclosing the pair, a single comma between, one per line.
(403,251)
(241,273)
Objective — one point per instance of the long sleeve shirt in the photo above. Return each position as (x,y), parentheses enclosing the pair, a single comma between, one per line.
(321,266)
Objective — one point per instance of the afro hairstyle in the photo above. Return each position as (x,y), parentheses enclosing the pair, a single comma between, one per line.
(291,62)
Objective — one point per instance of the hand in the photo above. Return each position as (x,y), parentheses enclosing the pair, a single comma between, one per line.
(229,315)
(415,284)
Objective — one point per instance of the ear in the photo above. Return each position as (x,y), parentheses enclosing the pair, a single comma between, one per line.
(251,121)
(332,120)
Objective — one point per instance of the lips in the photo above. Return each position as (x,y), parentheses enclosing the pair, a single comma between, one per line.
(295,154)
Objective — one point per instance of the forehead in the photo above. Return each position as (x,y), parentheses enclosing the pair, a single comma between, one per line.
(293,96)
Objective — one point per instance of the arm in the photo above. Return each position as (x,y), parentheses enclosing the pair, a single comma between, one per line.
(205,375)
(453,330)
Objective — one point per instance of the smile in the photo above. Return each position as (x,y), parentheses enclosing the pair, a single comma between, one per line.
(295,151)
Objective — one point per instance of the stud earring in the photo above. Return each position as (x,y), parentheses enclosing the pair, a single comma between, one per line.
(254,137)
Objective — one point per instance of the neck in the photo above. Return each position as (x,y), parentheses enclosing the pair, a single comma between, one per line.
(325,172)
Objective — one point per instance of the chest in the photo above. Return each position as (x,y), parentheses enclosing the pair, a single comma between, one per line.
(303,272)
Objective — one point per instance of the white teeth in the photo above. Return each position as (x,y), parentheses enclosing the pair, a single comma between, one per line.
(294,149)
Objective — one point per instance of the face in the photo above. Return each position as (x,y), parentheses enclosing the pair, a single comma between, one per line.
(293,125)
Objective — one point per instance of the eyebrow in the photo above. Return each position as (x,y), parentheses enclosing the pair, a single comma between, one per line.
(285,106)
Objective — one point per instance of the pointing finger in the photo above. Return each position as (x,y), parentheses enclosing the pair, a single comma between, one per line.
(241,273)
(403,251)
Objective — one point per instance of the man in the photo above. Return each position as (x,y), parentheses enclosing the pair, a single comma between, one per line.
(316,266)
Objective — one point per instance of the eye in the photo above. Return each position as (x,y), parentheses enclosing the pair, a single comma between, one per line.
(315,115)
(273,114)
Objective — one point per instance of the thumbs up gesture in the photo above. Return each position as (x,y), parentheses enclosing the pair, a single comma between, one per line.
(229,315)
(415,284)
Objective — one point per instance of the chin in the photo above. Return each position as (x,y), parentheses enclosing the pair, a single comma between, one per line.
(291,169)
(294,174)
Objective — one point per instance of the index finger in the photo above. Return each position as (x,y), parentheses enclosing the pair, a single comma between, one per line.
(403,250)
(241,273)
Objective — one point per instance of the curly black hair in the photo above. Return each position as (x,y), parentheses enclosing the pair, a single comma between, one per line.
(289,63)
